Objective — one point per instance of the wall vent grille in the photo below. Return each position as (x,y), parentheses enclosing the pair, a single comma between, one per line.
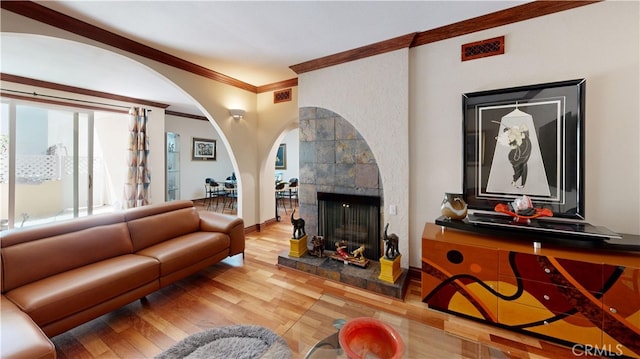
(282,96)
(484,48)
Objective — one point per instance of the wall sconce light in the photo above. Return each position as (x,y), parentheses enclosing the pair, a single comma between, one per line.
(237,114)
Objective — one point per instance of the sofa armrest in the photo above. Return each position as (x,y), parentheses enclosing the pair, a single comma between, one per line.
(21,337)
(231,225)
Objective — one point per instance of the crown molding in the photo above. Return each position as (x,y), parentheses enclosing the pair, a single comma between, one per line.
(359,53)
(515,14)
(278,85)
(499,18)
(78,90)
(186,115)
(59,20)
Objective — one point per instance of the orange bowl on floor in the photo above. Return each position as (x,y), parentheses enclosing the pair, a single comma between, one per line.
(364,338)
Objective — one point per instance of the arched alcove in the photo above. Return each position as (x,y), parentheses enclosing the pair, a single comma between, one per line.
(336,160)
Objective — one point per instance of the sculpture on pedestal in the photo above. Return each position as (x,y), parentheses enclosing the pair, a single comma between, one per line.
(298,226)
(391,244)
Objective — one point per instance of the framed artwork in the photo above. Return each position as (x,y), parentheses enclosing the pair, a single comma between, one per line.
(526,140)
(281,157)
(203,149)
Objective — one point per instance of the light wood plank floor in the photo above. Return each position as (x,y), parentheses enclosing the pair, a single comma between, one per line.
(256,291)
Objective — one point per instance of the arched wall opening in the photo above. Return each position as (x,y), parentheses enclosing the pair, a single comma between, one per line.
(133,78)
(269,173)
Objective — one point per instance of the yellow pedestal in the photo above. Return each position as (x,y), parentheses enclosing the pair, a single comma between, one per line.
(390,270)
(298,246)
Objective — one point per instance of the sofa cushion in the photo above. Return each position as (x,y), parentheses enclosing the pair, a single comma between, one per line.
(30,261)
(153,229)
(181,252)
(21,337)
(60,295)
(21,235)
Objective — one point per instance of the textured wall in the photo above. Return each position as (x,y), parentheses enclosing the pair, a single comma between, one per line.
(372,94)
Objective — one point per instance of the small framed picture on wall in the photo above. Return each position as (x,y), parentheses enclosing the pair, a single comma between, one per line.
(203,149)
(281,157)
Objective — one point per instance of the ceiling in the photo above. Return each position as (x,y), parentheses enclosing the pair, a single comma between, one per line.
(251,41)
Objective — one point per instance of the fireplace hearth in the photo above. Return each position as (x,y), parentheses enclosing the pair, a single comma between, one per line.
(364,278)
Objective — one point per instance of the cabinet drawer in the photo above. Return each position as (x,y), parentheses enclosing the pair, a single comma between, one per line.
(623,297)
(621,307)
(554,298)
(575,329)
(552,270)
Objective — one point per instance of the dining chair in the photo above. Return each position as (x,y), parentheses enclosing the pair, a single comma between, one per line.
(280,196)
(231,193)
(207,191)
(215,192)
(293,191)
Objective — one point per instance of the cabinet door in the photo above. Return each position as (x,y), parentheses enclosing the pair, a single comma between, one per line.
(574,329)
(172,164)
(460,279)
(556,297)
(622,313)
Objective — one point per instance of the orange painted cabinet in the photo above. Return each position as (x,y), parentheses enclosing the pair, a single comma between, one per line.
(621,312)
(461,279)
(568,295)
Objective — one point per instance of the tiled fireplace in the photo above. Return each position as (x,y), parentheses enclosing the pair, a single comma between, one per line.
(337,164)
(334,158)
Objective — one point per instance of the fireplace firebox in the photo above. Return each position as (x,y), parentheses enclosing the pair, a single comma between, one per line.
(353,219)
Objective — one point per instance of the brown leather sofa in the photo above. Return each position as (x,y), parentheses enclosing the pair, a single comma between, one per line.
(56,277)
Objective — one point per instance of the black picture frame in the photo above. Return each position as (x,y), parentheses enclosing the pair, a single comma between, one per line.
(526,140)
(281,157)
(203,149)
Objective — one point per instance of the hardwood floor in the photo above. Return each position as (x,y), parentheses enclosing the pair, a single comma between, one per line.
(256,291)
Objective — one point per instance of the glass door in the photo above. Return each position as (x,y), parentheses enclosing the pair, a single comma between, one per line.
(47,168)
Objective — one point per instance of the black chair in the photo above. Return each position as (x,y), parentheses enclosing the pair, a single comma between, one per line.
(280,196)
(293,191)
(214,192)
(231,193)
(207,191)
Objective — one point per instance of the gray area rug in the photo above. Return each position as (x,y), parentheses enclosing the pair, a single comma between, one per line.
(237,342)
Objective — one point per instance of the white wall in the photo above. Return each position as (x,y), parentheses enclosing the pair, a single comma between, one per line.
(275,121)
(372,94)
(292,141)
(193,173)
(599,42)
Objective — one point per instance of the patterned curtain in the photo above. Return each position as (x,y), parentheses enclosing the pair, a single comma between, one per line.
(136,190)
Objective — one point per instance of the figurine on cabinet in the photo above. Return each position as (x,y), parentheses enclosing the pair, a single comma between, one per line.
(453,206)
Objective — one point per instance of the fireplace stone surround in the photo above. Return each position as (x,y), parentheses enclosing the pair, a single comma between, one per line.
(335,158)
